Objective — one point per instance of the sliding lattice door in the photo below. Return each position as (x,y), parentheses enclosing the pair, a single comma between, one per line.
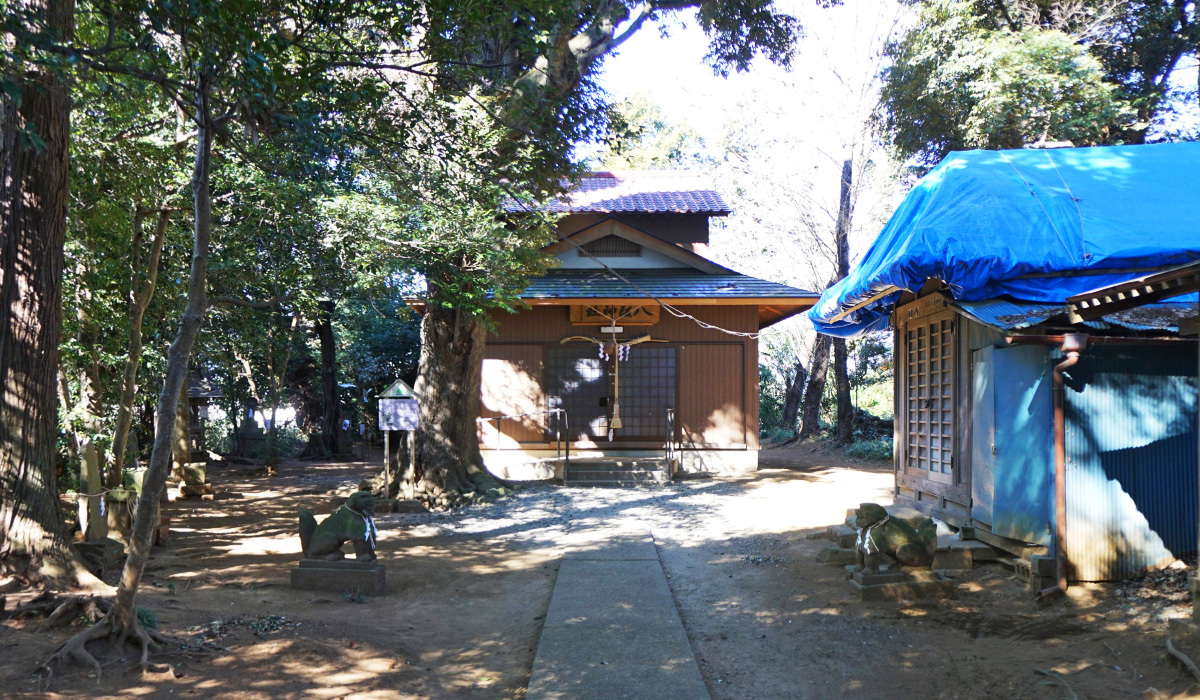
(929,396)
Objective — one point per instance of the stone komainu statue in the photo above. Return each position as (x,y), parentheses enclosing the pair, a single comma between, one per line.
(354,522)
(880,535)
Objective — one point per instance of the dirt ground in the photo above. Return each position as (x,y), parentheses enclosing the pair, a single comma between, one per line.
(468,591)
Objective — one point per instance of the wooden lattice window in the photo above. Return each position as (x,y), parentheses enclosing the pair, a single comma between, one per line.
(929,395)
(611,247)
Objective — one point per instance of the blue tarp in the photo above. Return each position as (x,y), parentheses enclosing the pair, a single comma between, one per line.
(1036,225)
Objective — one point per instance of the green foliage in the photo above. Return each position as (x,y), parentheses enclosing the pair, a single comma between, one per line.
(147,618)
(1095,72)
(640,137)
(958,82)
(771,394)
(880,449)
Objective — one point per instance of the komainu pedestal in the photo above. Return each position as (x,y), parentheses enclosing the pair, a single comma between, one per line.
(324,566)
(342,576)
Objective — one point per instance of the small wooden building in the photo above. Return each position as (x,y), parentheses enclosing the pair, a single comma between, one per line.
(973,274)
(599,366)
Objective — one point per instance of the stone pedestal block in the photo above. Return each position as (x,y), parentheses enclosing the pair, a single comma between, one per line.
(345,576)
(837,556)
(194,490)
(905,584)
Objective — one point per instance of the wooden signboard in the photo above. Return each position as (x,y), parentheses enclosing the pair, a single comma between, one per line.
(607,314)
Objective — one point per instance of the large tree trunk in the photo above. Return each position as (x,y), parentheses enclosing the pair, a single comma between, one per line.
(841,236)
(34,136)
(449,464)
(331,428)
(121,620)
(844,432)
(791,400)
(818,371)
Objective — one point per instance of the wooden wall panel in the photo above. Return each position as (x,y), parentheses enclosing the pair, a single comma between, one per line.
(512,384)
(720,379)
(712,395)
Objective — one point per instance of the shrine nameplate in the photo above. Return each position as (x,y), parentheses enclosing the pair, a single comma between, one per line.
(607,314)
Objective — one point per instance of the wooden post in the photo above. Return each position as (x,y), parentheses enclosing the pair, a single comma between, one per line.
(387,464)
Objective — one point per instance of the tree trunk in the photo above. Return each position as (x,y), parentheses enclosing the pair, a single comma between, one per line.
(841,236)
(791,400)
(810,423)
(331,428)
(277,372)
(121,619)
(449,464)
(181,440)
(34,136)
(845,405)
(140,294)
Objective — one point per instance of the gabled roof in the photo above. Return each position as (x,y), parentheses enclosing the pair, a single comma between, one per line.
(1036,225)
(775,301)
(615,226)
(641,191)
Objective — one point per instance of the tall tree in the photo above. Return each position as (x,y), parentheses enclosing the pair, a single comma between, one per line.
(810,417)
(34,142)
(982,74)
(786,149)
(535,75)
(220,63)
(844,430)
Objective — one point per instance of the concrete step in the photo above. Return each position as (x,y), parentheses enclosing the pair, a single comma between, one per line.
(843,535)
(615,475)
(614,483)
(617,479)
(642,463)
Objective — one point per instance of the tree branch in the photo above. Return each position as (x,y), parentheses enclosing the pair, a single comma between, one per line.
(245,304)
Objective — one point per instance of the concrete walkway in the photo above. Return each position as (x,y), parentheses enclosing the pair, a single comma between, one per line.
(612,630)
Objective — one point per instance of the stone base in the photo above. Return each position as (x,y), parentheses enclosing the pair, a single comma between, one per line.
(345,576)
(100,555)
(1183,628)
(194,490)
(837,556)
(393,505)
(903,584)
(846,537)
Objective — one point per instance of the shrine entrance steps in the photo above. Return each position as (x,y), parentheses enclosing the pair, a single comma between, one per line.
(617,471)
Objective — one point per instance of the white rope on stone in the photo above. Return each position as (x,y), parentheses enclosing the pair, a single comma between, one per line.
(865,540)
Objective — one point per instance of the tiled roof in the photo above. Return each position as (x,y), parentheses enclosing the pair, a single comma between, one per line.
(641,191)
(665,284)
(1009,315)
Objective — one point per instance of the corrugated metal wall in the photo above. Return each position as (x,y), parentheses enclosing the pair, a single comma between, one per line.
(1131,459)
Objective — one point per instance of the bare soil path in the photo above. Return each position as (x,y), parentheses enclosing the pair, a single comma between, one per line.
(469,591)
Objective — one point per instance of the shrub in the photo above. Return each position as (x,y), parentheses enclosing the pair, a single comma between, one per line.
(777,434)
(880,449)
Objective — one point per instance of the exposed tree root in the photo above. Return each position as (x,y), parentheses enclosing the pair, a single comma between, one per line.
(1057,678)
(118,634)
(1183,659)
(60,610)
(478,485)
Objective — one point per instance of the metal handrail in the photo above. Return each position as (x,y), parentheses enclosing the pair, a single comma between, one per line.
(669,451)
(562,425)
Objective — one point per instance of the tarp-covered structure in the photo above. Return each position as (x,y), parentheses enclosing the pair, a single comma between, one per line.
(1032,225)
